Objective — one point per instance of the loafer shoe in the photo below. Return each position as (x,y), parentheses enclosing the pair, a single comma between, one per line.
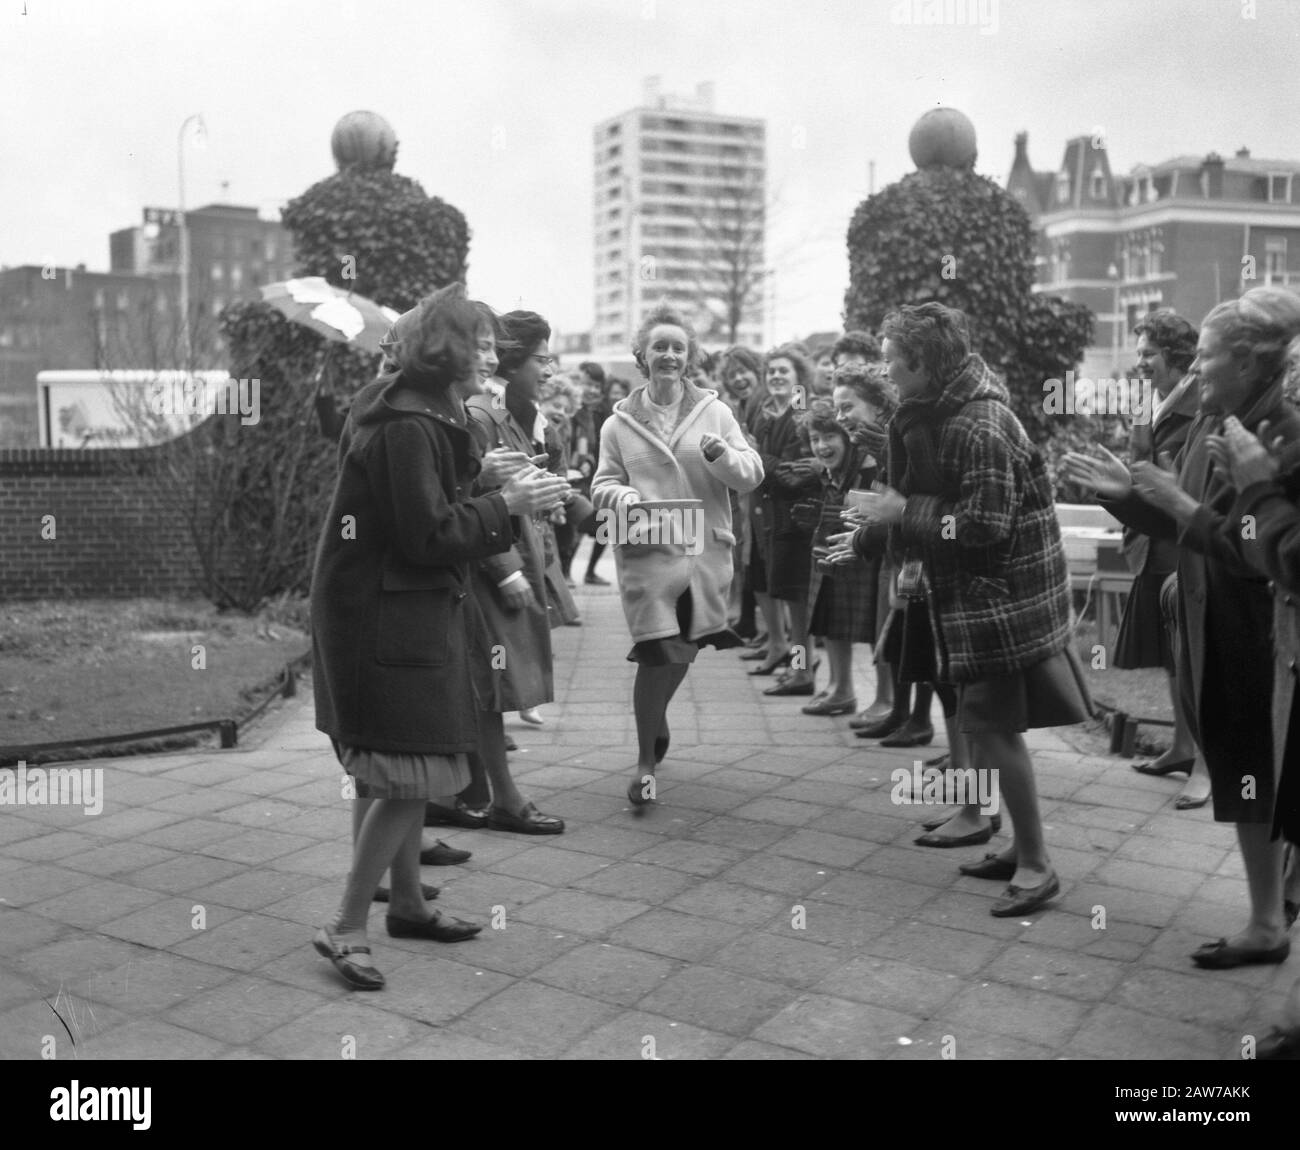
(439,928)
(1018,900)
(440,854)
(974,839)
(362,977)
(995,822)
(529,821)
(785,687)
(511,745)
(879,730)
(907,736)
(382,893)
(1183,765)
(1222,955)
(593,580)
(471,818)
(869,717)
(990,866)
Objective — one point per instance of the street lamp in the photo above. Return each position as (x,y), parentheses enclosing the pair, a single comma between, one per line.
(183,224)
(1112,273)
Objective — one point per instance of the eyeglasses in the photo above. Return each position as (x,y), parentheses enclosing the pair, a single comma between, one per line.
(544,360)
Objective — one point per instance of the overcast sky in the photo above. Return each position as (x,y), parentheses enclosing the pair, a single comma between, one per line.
(93,92)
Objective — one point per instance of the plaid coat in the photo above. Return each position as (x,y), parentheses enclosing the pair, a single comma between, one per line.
(981,517)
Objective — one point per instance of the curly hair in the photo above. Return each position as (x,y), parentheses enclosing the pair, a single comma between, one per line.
(1173,335)
(436,343)
(1264,321)
(856,343)
(522,331)
(803,368)
(820,417)
(871,385)
(930,335)
(593,371)
(664,313)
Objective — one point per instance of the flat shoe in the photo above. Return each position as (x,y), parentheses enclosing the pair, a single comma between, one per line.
(636,791)
(440,854)
(754,656)
(974,839)
(1018,900)
(995,821)
(770,668)
(909,738)
(830,707)
(439,928)
(1187,803)
(362,977)
(866,719)
(990,867)
(529,821)
(879,730)
(1222,955)
(382,893)
(1279,1046)
(787,688)
(594,580)
(1184,765)
(530,715)
(471,818)
(511,745)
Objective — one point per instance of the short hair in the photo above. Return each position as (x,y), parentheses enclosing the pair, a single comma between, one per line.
(741,359)
(664,313)
(522,331)
(794,352)
(871,384)
(1173,335)
(593,371)
(1265,320)
(932,335)
(436,343)
(820,417)
(708,362)
(857,343)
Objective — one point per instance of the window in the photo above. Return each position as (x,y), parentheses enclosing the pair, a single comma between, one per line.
(1279,188)
(236,277)
(1098,190)
(218,273)
(1275,260)
(218,245)
(270,249)
(99,300)
(1063,187)
(217,304)
(122,301)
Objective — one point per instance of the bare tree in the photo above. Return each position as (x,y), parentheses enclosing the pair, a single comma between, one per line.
(730,226)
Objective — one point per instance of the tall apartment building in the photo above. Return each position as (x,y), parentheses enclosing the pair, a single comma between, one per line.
(679,216)
(1186,233)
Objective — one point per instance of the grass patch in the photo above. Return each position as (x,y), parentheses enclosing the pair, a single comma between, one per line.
(1142,693)
(82,669)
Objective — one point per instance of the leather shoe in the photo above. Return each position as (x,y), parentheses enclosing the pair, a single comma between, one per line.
(1279,1046)
(429,892)
(362,977)
(755,656)
(990,866)
(471,818)
(770,666)
(974,839)
(591,579)
(439,928)
(830,707)
(879,730)
(440,854)
(787,687)
(1183,765)
(909,736)
(1222,955)
(866,718)
(1018,900)
(511,745)
(529,821)
(995,821)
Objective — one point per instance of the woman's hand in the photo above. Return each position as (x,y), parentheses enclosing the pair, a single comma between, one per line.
(712,446)
(853,517)
(1156,484)
(532,491)
(518,595)
(883,506)
(1105,476)
(1243,456)
(500,464)
(841,548)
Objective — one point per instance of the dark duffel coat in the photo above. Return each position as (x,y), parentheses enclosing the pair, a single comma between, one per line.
(397,637)
(1225,613)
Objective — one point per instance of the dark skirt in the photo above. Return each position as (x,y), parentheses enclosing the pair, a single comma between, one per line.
(845,599)
(1053,693)
(788,566)
(1286,813)
(1143,640)
(680,648)
(908,643)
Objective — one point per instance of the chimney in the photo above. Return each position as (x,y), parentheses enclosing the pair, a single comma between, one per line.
(1243,153)
(1212,177)
(1022,149)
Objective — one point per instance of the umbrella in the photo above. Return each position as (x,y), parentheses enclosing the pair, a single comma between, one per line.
(337,315)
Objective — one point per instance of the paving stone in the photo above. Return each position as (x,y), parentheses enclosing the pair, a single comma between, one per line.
(931,1041)
(243,943)
(540,1020)
(610,973)
(936,947)
(192,834)
(52,845)
(636,881)
(37,882)
(338,1028)
(32,1030)
(116,858)
(668,932)
(152,981)
(698,858)
(96,902)
(781,958)
(447,1045)
(552,865)
(1047,1018)
(886,982)
(593,915)
(749,1051)
(1148,876)
(842,926)
(634,1034)
(1122,1033)
(718,1000)
(830,1027)
(740,833)
(252,889)
(853,888)
(1185,997)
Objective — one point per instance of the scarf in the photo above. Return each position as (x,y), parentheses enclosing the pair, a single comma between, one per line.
(524,412)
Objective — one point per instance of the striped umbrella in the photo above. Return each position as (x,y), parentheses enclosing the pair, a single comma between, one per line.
(338,315)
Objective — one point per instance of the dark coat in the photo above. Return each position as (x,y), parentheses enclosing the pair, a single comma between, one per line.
(1231,643)
(990,540)
(844,600)
(396,635)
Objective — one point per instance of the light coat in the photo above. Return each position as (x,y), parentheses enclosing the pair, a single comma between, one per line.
(636,464)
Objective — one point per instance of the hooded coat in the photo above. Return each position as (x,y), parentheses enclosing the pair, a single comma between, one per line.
(398,640)
(980,516)
(636,464)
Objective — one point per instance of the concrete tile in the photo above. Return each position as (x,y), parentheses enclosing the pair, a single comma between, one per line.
(1122,1033)
(676,935)
(586,914)
(552,865)
(610,973)
(152,981)
(889,983)
(636,881)
(32,1030)
(784,958)
(829,1027)
(936,947)
(116,858)
(37,882)
(718,999)
(540,1020)
(96,902)
(703,859)
(244,943)
(1046,1018)
(751,1051)
(635,1034)
(1200,997)
(345,1026)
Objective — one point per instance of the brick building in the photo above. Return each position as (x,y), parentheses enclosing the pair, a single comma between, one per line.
(1186,233)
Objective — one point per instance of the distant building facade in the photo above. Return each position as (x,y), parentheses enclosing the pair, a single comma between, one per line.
(1186,233)
(680,193)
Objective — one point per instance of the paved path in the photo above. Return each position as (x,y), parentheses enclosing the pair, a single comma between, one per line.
(772,906)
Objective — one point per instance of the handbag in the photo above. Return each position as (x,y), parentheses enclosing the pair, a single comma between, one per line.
(912,583)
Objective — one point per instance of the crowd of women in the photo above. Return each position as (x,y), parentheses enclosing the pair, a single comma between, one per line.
(878,493)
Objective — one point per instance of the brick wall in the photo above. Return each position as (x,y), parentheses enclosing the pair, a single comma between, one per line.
(115,534)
